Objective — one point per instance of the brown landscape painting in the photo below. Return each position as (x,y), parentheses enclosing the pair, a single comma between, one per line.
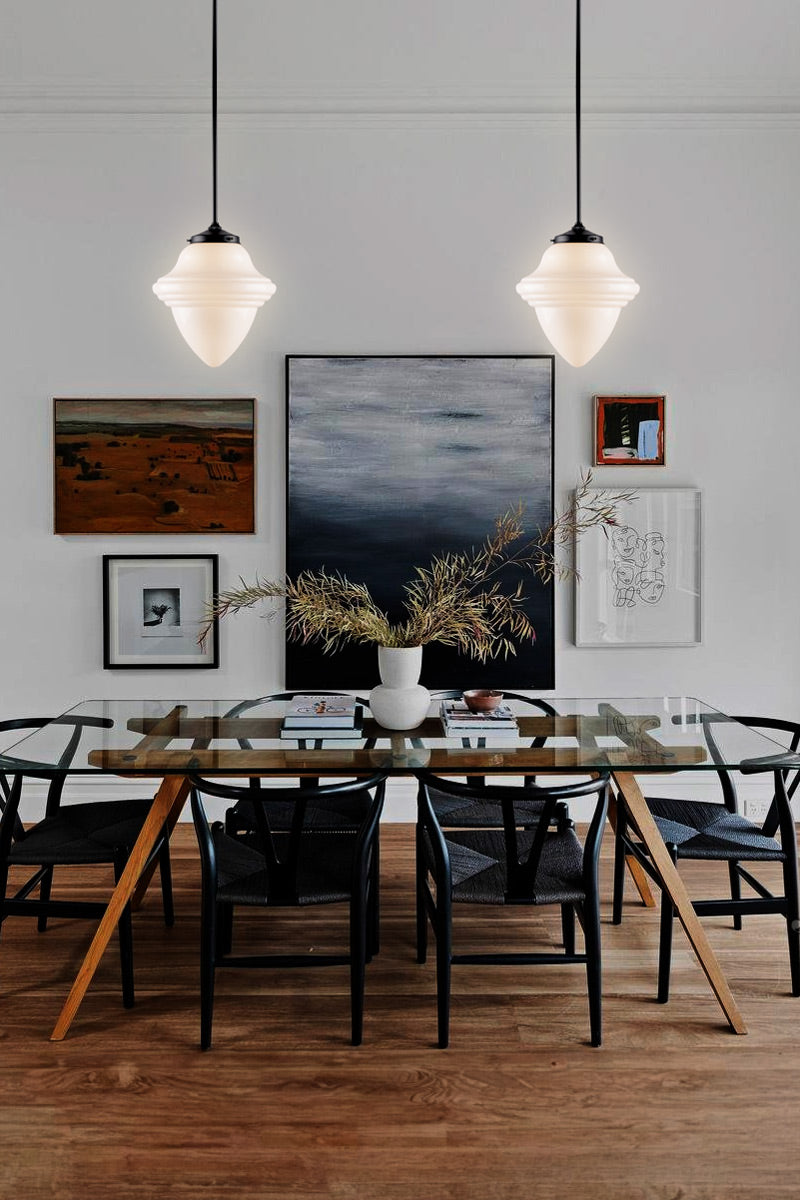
(154,466)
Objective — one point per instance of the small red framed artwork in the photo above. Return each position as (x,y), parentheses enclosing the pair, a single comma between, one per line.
(629,431)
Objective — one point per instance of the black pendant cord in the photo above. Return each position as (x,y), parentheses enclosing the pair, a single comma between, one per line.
(577,111)
(214,233)
(578,233)
(214,106)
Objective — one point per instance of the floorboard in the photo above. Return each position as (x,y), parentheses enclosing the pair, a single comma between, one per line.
(672,1107)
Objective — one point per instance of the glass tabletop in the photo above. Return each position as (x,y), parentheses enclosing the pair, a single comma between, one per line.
(231,737)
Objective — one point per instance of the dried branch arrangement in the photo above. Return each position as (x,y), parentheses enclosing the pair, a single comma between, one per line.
(459,600)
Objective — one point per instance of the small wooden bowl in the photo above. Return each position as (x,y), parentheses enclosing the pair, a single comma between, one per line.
(480,700)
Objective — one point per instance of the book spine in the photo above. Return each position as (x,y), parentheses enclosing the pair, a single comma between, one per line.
(499,726)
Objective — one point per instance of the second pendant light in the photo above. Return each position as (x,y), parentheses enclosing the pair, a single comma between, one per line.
(577,291)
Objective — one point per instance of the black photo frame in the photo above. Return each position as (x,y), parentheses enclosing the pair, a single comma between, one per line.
(154,607)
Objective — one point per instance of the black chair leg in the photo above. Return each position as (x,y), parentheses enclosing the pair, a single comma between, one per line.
(665,940)
(736,892)
(208,940)
(358,950)
(374,905)
(444,957)
(791,890)
(224,929)
(793,931)
(619,868)
(422,916)
(45,888)
(165,871)
(594,968)
(568,928)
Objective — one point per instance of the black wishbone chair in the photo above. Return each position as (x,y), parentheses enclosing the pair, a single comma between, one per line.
(308,863)
(69,835)
(338,811)
(695,829)
(542,865)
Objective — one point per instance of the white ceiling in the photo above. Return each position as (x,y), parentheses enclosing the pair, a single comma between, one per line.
(742,55)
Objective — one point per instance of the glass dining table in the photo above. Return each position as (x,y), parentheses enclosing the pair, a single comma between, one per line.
(167,739)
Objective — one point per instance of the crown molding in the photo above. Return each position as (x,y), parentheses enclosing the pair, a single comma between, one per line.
(88,105)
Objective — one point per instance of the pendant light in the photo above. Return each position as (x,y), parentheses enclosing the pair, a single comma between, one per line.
(214,290)
(577,290)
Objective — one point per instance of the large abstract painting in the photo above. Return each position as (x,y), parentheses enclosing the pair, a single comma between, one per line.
(154,466)
(394,459)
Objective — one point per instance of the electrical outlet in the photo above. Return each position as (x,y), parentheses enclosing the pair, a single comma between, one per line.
(756,810)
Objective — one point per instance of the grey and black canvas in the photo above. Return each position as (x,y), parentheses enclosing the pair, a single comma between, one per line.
(394,459)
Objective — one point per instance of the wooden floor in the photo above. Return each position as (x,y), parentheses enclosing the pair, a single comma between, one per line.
(672,1107)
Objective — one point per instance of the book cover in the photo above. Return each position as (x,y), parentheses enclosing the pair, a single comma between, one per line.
(456,715)
(320,711)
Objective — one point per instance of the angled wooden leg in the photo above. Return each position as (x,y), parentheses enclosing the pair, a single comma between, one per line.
(169,797)
(673,885)
(638,875)
(147,875)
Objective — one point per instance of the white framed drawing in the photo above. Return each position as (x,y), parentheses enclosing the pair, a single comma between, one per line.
(639,583)
(154,606)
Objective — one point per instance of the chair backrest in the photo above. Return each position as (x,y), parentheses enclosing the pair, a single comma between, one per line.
(534,701)
(13,770)
(787,777)
(523,853)
(245,706)
(358,803)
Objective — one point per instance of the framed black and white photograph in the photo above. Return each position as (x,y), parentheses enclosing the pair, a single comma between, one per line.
(154,608)
(639,583)
(394,459)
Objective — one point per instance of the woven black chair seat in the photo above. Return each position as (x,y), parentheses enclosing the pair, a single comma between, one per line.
(478,867)
(467,812)
(711,831)
(331,814)
(82,833)
(324,870)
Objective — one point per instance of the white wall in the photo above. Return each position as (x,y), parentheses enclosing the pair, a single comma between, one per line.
(396,196)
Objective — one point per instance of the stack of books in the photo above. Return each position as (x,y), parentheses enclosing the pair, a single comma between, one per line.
(339,717)
(499,726)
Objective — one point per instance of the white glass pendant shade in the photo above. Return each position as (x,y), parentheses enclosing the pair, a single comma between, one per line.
(214,292)
(577,291)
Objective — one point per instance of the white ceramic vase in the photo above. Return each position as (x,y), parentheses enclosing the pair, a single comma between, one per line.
(399,702)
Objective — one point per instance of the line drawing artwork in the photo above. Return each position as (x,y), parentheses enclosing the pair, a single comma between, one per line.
(637,564)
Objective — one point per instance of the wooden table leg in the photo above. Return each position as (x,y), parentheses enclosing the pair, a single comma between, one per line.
(169,799)
(673,884)
(637,872)
(146,876)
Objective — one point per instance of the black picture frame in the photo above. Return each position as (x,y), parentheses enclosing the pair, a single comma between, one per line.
(154,608)
(479,440)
